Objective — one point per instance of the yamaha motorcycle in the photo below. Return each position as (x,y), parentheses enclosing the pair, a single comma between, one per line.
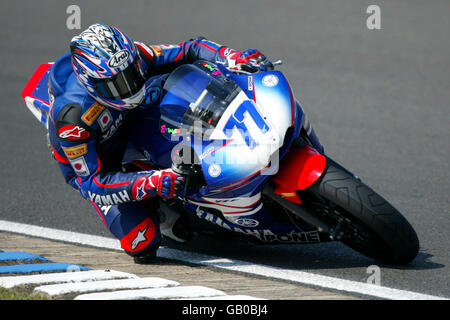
(255,169)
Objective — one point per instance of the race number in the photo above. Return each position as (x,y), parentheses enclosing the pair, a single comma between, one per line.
(237,120)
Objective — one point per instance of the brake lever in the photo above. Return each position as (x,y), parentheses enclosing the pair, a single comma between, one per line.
(271,65)
(277,63)
(187,182)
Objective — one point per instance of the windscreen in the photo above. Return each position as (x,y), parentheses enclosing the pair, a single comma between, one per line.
(195,98)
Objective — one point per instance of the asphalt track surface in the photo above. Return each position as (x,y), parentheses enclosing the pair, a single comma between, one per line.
(379,101)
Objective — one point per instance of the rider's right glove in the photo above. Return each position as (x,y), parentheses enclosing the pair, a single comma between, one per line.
(164,183)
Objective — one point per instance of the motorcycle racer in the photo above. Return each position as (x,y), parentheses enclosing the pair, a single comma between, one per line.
(96,91)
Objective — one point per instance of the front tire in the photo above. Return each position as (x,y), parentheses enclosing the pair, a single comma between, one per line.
(366,221)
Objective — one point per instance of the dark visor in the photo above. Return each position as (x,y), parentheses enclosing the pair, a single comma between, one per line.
(122,85)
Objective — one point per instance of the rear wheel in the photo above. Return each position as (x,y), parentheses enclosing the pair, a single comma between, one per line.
(362,219)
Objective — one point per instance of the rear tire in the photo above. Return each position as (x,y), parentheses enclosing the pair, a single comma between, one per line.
(369,224)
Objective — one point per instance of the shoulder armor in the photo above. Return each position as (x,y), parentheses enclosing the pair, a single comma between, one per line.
(70,127)
(146,53)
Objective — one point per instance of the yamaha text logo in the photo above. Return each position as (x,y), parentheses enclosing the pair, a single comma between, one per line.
(118,59)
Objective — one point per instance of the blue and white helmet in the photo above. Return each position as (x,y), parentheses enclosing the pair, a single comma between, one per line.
(107,64)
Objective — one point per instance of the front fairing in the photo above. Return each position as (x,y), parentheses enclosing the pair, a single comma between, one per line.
(235,125)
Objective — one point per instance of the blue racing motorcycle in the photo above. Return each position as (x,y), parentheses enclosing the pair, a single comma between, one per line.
(255,169)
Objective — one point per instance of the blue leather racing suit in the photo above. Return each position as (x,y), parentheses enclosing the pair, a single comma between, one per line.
(89,141)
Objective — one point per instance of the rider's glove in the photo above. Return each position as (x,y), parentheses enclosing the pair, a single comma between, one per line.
(164,183)
(248,61)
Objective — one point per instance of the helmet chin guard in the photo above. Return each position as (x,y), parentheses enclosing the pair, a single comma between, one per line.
(124,104)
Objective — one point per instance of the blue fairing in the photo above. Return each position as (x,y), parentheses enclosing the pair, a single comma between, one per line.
(234,120)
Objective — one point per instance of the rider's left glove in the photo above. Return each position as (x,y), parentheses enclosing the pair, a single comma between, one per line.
(248,61)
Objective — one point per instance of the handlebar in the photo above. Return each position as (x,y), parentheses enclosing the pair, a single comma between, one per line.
(245,69)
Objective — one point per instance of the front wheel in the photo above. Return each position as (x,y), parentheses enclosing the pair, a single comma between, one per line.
(362,219)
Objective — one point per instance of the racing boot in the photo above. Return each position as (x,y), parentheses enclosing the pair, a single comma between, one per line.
(147,257)
(173,225)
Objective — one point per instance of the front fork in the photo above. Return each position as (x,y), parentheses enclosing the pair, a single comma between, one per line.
(307,134)
(301,167)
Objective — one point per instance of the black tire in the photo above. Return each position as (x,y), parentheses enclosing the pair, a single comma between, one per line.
(372,226)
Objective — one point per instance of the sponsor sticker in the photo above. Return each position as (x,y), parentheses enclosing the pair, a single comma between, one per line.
(264,235)
(138,190)
(214,71)
(80,167)
(270,80)
(119,58)
(109,199)
(140,237)
(214,170)
(225,52)
(105,120)
(250,83)
(73,132)
(246,222)
(165,129)
(157,50)
(92,113)
(112,128)
(75,152)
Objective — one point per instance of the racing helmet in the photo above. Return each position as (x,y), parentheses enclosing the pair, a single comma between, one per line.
(106,62)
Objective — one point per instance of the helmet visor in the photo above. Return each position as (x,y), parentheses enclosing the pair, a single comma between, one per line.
(122,85)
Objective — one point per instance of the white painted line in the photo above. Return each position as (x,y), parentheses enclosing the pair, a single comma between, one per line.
(94,286)
(91,275)
(233,265)
(296,276)
(327,282)
(60,235)
(154,294)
